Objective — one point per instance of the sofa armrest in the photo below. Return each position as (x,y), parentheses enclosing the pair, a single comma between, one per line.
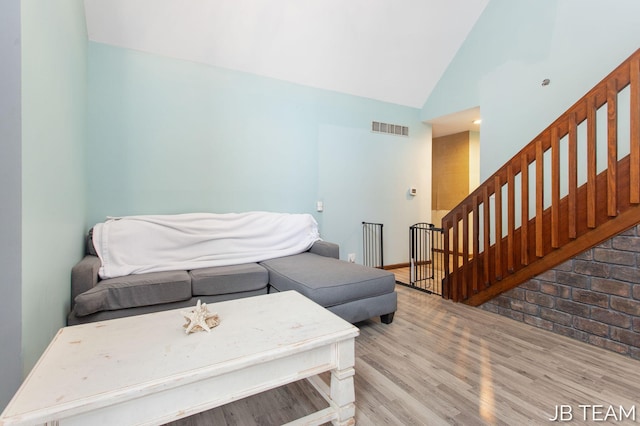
(325,248)
(84,276)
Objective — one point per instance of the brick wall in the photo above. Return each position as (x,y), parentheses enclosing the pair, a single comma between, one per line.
(594,297)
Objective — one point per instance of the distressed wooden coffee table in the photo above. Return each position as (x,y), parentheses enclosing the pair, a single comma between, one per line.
(146,370)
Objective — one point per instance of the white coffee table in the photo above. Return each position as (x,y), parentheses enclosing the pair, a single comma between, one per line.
(146,370)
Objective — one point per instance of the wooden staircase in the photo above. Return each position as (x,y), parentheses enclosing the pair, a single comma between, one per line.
(575,185)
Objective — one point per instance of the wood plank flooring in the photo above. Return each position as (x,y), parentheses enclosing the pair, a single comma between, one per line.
(433,285)
(402,275)
(444,363)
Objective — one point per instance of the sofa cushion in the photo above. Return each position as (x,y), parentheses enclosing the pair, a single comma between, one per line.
(228,279)
(328,281)
(134,290)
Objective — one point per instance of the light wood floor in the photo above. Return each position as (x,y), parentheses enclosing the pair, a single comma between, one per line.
(446,363)
(403,276)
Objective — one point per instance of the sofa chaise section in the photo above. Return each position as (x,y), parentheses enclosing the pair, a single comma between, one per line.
(351,291)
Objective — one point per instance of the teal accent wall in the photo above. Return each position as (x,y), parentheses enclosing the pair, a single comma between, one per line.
(513,47)
(170,136)
(10,207)
(54,99)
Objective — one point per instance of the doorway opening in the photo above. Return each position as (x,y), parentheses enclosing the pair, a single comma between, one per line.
(455,167)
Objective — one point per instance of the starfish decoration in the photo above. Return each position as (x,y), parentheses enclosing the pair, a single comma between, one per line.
(199,318)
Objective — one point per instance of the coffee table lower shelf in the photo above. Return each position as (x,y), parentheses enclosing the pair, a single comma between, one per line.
(145,371)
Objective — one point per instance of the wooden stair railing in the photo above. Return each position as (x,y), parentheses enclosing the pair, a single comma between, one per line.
(507,230)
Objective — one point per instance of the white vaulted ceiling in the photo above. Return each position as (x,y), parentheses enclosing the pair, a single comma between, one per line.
(390,50)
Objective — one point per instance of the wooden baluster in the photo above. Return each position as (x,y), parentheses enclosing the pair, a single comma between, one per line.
(455,283)
(511,217)
(487,235)
(524,228)
(612,148)
(446,284)
(476,244)
(591,162)
(539,199)
(634,192)
(497,191)
(573,176)
(555,188)
(465,251)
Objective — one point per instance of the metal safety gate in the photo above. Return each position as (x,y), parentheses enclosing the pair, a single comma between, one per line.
(372,253)
(426,258)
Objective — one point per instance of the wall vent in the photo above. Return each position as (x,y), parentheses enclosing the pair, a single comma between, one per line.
(392,129)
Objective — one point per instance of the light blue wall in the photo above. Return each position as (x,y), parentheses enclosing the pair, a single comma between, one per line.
(54,94)
(366,176)
(10,207)
(514,46)
(171,136)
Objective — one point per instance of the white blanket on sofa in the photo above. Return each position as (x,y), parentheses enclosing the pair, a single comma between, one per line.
(139,244)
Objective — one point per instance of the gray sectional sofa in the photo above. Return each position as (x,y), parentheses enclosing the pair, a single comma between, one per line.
(353,292)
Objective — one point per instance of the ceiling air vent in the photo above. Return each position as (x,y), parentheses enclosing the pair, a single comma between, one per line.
(392,129)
